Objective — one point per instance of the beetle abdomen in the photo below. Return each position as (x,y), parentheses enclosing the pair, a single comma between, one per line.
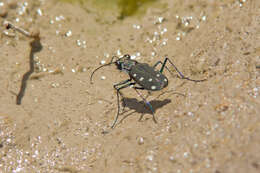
(147,77)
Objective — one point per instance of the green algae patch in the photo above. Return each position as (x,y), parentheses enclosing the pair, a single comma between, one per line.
(122,8)
(131,7)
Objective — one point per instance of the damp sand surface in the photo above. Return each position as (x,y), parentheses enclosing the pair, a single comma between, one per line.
(60,122)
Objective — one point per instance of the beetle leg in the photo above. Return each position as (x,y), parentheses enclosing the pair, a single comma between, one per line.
(176,69)
(162,68)
(118,87)
(148,104)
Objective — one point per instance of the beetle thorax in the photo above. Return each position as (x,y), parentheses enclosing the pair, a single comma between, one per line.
(125,64)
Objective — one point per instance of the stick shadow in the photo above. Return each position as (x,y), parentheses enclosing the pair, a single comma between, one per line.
(36,46)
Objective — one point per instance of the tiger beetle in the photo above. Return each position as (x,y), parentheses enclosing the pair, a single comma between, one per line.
(141,77)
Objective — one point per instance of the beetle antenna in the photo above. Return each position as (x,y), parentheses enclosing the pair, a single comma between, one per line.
(98,69)
(111,62)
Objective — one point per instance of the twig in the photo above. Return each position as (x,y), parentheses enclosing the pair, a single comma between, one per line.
(35,47)
(33,34)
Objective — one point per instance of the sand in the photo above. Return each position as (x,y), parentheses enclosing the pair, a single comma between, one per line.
(61,122)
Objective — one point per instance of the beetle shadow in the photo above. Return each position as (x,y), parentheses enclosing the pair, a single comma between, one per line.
(140,106)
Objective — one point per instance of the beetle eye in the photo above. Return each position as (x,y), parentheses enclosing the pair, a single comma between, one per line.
(118,64)
(127,56)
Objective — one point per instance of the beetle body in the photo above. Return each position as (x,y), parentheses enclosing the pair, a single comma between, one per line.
(143,74)
(147,77)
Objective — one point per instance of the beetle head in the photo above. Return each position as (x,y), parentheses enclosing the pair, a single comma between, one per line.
(125,63)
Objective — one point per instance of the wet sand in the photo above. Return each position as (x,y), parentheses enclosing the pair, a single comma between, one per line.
(211,126)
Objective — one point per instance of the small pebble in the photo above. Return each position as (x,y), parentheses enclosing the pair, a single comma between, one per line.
(102,62)
(186,154)
(69,33)
(118,52)
(140,140)
(171,158)
(149,157)
(39,12)
(133,57)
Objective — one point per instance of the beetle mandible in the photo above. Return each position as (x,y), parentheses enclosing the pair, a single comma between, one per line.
(141,77)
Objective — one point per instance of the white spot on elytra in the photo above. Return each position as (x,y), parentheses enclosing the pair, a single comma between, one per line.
(141,79)
(134,75)
(153,87)
(150,80)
